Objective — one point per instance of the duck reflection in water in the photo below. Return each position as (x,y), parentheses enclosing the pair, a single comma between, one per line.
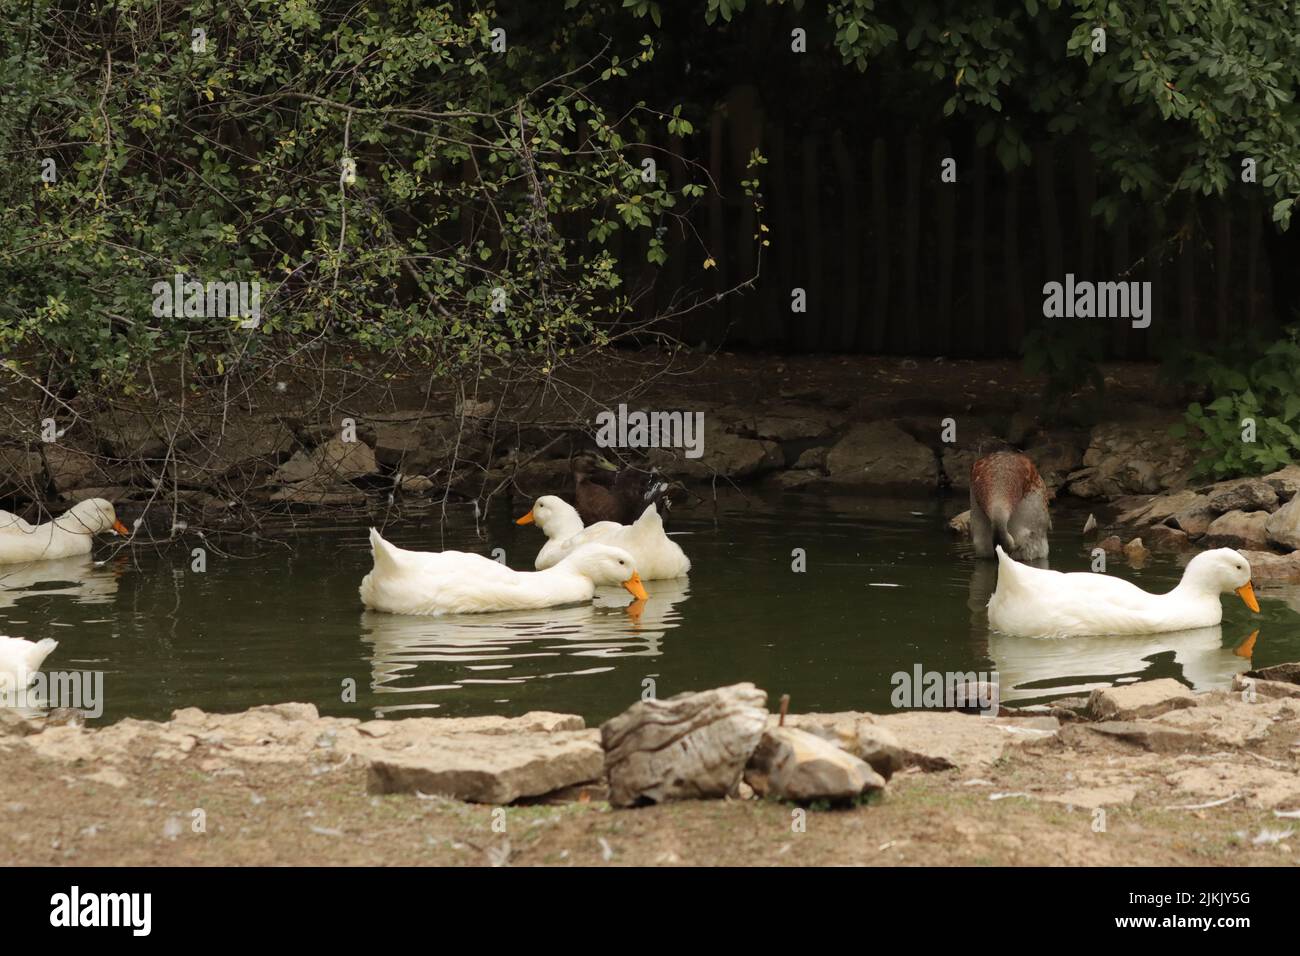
(424,658)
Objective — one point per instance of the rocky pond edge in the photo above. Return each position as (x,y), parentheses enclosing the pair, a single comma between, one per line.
(723,743)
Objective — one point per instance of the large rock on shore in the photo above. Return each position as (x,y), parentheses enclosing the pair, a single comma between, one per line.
(1243,494)
(1141,700)
(1238,529)
(1283,526)
(882,455)
(688,746)
(792,764)
(723,455)
(1131,459)
(333,461)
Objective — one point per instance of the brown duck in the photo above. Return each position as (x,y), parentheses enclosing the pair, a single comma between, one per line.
(605,492)
(1008,506)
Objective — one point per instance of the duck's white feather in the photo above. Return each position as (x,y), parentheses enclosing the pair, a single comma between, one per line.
(656,555)
(1036,602)
(21,659)
(70,534)
(457,582)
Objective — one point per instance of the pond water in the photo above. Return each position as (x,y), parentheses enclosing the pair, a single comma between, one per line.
(886,589)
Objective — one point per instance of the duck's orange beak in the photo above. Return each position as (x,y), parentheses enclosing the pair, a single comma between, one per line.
(1247,594)
(1247,647)
(526,519)
(635,587)
(121,529)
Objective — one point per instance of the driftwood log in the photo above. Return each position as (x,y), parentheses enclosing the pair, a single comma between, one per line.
(689,746)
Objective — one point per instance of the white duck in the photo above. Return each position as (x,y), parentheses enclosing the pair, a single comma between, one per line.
(69,534)
(1036,602)
(656,555)
(20,660)
(455,582)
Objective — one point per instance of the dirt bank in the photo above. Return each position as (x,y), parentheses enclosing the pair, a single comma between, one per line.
(1206,782)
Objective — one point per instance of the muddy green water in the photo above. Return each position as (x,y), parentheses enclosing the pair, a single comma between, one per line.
(886,589)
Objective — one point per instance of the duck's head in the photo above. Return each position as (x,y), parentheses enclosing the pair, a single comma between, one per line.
(552,515)
(606,566)
(586,464)
(93,516)
(1220,570)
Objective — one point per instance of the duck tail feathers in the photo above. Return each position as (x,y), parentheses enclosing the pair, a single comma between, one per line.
(41,650)
(385,554)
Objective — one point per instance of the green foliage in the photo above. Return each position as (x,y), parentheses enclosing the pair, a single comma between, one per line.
(476,171)
(1264,390)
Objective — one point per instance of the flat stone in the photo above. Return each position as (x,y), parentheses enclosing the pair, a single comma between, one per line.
(1143,699)
(941,740)
(1148,735)
(688,746)
(533,722)
(490,768)
(792,764)
(1160,537)
(724,454)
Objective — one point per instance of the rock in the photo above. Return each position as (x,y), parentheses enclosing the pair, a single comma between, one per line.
(1127,459)
(533,722)
(723,455)
(1244,494)
(1055,461)
(1147,735)
(1238,529)
(1160,508)
(1111,544)
(882,455)
(417,485)
(786,422)
(1285,482)
(1265,688)
(490,768)
(687,746)
(1276,568)
(318,494)
(941,740)
(960,525)
(856,734)
(22,472)
(1135,701)
(131,435)
(248,447)
(1161,537)
(1283,526)
(789,480)
(1196,518)
(812,458)
(1224,719)
(476,408)
(1288,673)
(335,460)
(792,764)
(1136,553)
(70,468)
